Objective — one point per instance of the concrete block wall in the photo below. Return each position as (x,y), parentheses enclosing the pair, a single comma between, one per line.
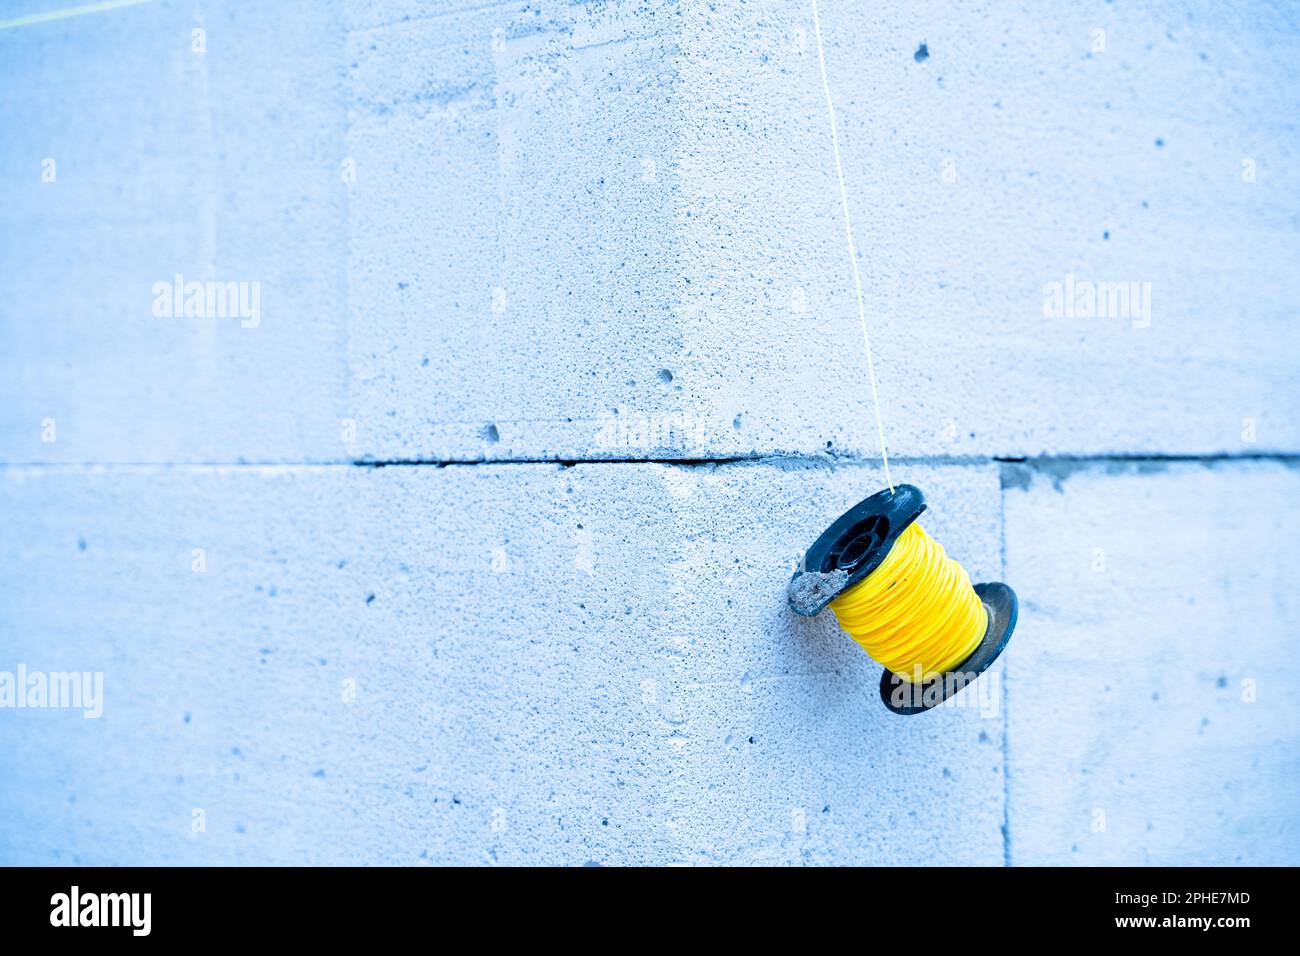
(557,372)
(1159,597)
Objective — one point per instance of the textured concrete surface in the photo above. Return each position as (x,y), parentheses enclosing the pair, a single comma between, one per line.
(1153,710)
(552,665)
(561,218)
(513,235)
(223,166)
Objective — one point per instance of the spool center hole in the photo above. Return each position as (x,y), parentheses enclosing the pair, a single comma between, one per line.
(863,540)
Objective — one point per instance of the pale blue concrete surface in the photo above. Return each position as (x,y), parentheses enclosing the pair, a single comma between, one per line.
(515,234)
(552,665)
(221,166)
(1159,612)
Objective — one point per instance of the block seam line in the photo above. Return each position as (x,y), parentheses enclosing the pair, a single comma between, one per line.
(1005,691)
(1042,462)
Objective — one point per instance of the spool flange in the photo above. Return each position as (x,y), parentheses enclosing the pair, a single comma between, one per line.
(855,545)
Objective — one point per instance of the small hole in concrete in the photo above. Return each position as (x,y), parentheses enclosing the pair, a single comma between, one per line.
(922,53)
(665,376)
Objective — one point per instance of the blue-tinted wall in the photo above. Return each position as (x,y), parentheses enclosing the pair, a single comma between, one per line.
(575,275)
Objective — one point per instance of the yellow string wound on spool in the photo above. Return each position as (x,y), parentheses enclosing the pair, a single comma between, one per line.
(905,602)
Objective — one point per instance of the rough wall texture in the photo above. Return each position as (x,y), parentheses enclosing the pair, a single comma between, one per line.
(1159,598)
(541,260)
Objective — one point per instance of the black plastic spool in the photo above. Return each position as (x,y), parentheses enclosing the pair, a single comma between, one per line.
(856,543)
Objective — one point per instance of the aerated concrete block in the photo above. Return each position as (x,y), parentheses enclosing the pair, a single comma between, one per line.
(494,664)
(556,231)
(1153,710)
(615,231)
(132,157)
